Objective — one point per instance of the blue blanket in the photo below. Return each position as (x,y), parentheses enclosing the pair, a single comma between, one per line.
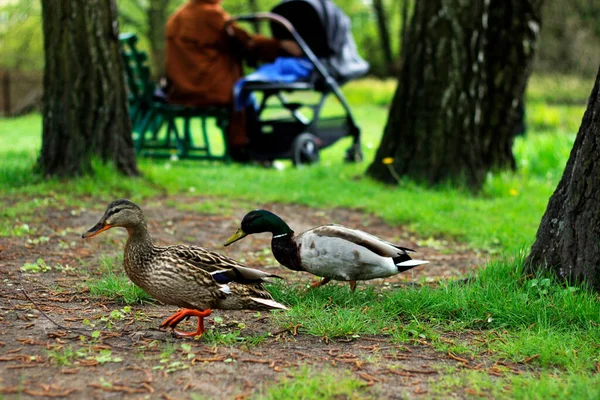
(283,69)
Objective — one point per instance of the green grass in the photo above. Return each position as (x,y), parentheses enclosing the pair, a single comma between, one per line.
(216,337)
(514,318)
(527,386)
(442,211)
(538,317)
(115,285)
(307,383)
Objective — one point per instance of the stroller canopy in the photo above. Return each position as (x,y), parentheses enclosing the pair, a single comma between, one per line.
(326,30)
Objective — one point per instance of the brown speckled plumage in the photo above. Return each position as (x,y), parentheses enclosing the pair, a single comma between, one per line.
(180,275)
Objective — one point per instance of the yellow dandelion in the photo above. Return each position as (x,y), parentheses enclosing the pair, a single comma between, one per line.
(388,160)
(513,192)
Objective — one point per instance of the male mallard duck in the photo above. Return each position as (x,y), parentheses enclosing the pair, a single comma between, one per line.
(329,251)
(190,277)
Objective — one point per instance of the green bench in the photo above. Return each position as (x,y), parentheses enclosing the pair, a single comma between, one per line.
(162,129)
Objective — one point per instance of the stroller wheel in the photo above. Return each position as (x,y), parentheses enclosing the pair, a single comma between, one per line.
(305,150)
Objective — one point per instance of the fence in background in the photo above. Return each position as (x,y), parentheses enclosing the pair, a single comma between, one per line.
(20,92)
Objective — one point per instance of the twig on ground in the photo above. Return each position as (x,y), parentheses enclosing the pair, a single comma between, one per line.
(462,360)
(528,359)
(82,331)
(420,371)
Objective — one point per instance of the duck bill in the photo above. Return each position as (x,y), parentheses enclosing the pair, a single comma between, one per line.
(240,234)
(98,228)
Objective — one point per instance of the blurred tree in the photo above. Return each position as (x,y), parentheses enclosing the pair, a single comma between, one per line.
(567,239)
(464,68)
(570,40)
(384,35)
(21,43)
(148,19)
(85,103)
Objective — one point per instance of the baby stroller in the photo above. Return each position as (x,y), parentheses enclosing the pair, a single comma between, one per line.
(322,30)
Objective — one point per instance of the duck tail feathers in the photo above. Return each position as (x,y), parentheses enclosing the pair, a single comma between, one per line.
(409,264)
(270,304)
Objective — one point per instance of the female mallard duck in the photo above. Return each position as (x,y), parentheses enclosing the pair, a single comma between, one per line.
(190,277)
(329,251)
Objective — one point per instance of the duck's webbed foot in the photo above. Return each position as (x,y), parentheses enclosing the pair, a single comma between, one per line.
(320,283)
(176,318)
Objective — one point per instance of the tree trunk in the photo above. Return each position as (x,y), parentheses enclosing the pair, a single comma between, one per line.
(567,241)
(384,35)
(158,14)
(85,103)
(464,68)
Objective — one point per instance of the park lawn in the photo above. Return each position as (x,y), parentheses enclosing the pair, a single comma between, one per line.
(483,221)
(551,331)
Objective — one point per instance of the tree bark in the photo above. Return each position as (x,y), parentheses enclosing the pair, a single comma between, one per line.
(384,35)
(567,241)
(464,68)
(85,103)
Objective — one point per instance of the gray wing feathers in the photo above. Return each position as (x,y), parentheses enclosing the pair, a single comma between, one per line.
(358,237)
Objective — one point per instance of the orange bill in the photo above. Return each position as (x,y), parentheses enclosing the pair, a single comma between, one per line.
(98,228)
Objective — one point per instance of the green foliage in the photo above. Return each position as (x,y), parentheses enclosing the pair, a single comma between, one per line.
(21,42)
(65,355)
(306,383)
(36,267)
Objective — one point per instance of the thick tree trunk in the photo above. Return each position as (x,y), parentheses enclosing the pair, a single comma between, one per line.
(384,35)
(85,103)
(464,68)
(567,241)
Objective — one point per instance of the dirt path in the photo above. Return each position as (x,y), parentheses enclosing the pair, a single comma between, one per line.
(135,360)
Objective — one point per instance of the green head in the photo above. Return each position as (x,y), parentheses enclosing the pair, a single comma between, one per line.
(259,221)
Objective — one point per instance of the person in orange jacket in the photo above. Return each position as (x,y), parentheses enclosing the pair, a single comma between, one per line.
(204,59)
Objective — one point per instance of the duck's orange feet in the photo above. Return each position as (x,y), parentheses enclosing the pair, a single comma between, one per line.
(320,283)
(353,285)
(176,318)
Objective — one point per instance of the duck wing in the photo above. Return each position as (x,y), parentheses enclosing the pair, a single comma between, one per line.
(223,269)
(221,282)
(360,238)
